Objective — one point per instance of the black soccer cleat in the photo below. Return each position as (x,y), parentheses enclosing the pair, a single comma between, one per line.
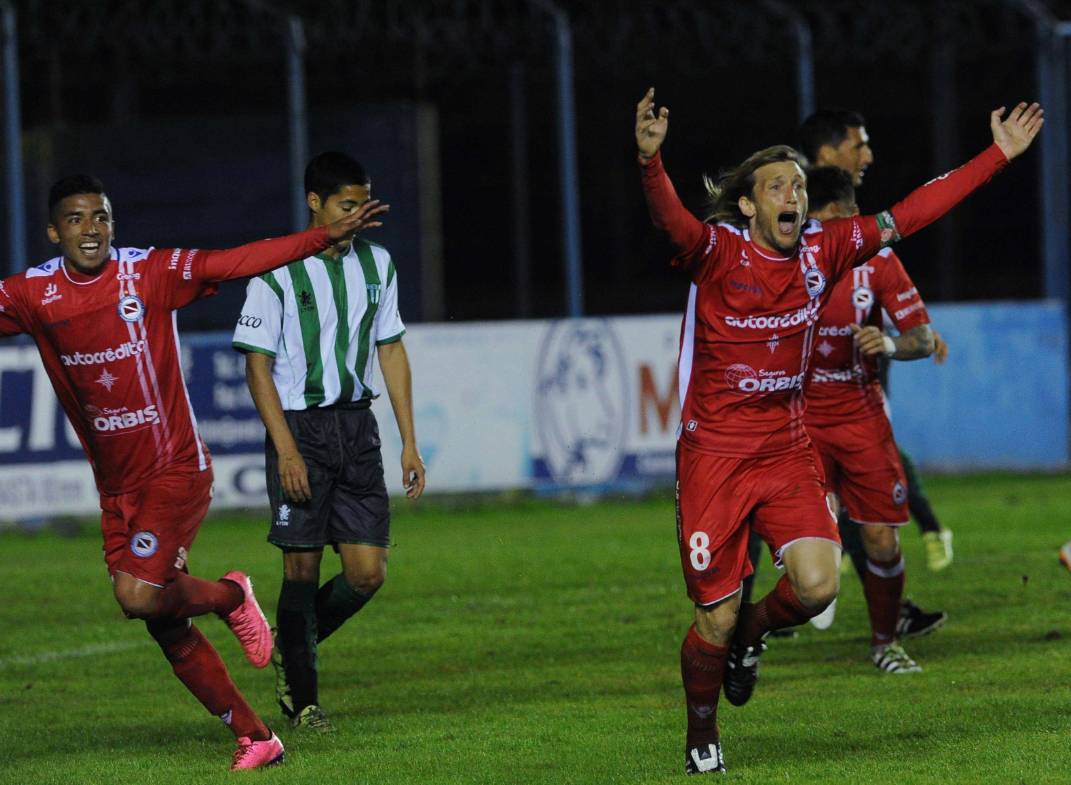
(704,759)
(915,622)
(282,686)
(742,671)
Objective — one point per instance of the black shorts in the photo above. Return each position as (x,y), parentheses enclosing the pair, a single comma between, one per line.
(349,502)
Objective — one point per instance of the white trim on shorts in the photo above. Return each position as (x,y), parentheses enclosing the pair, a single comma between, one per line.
(720,599)
(878,523)
(778,561)
(139,580)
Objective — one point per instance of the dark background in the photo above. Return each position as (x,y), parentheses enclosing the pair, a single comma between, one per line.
(727,70)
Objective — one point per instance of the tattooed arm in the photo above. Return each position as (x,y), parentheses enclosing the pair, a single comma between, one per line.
(914,344)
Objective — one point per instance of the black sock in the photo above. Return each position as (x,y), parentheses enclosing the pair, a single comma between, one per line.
(851,539)
(336,601)
(917,502)
(754,554)
(297,640)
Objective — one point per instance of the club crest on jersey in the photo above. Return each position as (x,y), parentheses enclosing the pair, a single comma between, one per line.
(815,282)
(131,308)
(899,493)
(373,293)
(144,544)
(862,298)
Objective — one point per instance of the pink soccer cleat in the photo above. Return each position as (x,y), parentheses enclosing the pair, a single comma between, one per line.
(257,754)
(248,624)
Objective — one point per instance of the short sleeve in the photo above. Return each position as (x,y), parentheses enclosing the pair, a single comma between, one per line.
(388,325)
(260,325)
(898,294)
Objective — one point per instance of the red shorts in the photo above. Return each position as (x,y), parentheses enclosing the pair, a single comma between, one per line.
(148,532)
(720,500)
(862,466)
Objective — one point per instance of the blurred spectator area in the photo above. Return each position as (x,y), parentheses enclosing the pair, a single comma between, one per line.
(180,105)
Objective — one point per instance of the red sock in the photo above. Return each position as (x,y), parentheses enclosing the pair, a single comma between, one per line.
(883,586)
(780,608)
(197,665)
(187,596)
(702,671)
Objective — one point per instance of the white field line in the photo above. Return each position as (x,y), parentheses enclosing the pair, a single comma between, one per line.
(90,650)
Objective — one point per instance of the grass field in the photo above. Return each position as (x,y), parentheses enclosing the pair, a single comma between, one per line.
(538,643)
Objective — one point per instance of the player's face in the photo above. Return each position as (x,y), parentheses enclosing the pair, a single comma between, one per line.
(778,206)
(853,155)
(82,227)
(338,205)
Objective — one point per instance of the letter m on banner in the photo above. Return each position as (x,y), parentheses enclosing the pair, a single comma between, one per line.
(666,407)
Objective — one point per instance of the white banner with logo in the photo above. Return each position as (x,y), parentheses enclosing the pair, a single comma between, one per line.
(552,404)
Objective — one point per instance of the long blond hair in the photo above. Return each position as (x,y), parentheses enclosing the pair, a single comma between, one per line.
(724,193)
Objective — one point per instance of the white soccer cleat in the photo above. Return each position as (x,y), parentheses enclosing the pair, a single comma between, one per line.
(824,620)
(704,759)
(892,658)
(1065,554)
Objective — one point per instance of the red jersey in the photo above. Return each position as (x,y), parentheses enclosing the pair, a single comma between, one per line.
(751,321)
(110,346)
(844,384)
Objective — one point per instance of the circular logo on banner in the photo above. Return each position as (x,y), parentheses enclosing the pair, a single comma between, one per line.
(131,308)
(582,402)
(144,544)
(815,281)
(862,298)
(899,493)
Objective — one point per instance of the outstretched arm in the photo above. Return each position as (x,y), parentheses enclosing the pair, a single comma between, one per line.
(263,255)
(1011,137)
(687,233)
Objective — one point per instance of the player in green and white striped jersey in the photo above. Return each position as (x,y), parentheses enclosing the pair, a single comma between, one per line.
(311,332)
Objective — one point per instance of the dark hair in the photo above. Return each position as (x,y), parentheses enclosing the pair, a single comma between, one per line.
(828,185)
(329,172)
(827,126)
(725,192)
(72,185)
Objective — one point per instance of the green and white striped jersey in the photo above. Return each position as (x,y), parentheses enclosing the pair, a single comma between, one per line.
(321,320)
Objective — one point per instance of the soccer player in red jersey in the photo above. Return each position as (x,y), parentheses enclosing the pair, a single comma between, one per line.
(846,417)
(760,278)
(104,321)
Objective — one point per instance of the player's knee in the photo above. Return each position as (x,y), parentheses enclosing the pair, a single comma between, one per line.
(881,543)
(136,604)
(817,589)
(367,581)
(302,572)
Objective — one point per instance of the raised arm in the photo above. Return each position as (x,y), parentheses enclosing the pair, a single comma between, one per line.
(1011,137)
(687,233)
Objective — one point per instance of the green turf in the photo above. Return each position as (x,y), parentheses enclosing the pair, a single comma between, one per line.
(539,643)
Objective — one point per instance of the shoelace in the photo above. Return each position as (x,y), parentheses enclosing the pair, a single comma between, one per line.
(243,751)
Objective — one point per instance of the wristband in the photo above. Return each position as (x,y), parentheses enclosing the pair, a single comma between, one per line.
(890,346)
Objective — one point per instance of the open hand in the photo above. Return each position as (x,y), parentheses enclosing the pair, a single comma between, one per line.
(651,127)
(360,219)
(1015,133)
